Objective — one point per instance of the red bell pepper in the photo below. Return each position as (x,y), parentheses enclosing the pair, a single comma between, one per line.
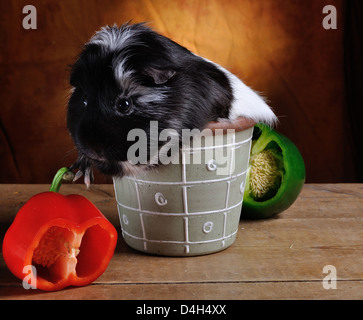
(65,239)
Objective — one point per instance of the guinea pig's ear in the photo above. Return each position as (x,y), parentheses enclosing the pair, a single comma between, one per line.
(159,76)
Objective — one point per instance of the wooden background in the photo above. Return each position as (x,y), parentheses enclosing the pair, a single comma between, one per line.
(278,47)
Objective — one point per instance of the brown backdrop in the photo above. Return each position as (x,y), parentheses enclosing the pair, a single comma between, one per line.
(278,47)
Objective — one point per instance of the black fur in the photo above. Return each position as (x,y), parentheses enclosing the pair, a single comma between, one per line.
(126,77)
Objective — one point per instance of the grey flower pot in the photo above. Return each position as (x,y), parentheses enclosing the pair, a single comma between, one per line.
(191,207)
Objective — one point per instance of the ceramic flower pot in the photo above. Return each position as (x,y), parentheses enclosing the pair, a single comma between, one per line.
(191,206)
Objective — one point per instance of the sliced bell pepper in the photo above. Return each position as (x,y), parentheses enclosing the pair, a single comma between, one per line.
(275,176)
(66,239)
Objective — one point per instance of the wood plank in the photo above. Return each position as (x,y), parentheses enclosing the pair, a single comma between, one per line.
(279,258)
(258,254)
(195,291)
(14,196)
(315,200)
(328,201)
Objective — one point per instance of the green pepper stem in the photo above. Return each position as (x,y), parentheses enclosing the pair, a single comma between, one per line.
(62,174)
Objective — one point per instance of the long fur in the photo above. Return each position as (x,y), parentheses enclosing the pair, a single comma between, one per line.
(127,76)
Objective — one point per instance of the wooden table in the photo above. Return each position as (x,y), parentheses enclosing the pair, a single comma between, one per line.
(278,258)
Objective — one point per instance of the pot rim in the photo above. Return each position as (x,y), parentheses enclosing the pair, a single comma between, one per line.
(238,124)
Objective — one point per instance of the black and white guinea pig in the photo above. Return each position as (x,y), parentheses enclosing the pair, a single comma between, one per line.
(127,76)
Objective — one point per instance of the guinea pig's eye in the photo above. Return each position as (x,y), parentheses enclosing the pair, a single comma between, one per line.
(124,105)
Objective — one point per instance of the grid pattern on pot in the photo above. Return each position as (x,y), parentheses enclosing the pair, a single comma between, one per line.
(136,217)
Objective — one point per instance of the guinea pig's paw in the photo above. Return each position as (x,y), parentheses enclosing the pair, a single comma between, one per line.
(84,169)
(88,176)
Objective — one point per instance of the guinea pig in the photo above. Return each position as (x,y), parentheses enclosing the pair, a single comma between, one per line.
(127,76)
